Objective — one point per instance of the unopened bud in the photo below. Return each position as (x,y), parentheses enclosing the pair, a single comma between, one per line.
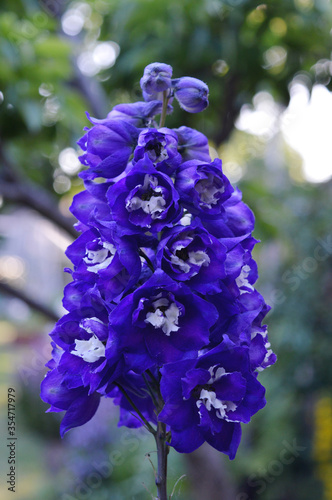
(191,93)
(156,78)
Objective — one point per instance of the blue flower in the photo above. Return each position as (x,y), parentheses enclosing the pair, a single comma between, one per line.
(145,200)
(162,310)
(206,399)
(160,146)
(236,315)
(140,114)
(235,220)
(192,145)
(163,321)
(112,263)
(107,147)
(203,187)
(80,407)
(192,255)
(89,209)
(80,372)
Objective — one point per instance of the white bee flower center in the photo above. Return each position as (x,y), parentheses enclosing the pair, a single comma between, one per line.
(89,350)
(242,279)
(196,258)
(207,190)
(164,316)
(99,259)
(154,203)
(209,398)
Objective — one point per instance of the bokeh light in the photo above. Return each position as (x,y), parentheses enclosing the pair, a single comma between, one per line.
(11,267)
(100,56)
(306,126)
(69,162)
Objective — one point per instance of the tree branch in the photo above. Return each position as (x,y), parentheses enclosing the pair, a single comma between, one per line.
(36,198)
(213,481)
(16,188)
(41,308)
(230,113)
(89,87)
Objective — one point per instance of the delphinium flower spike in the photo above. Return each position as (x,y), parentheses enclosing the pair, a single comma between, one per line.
(163,316)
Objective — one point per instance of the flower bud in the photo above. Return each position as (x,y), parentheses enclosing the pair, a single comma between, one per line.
(156,78)
(191,93)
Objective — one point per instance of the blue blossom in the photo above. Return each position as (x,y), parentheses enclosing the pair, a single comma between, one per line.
(145,200)
(190,254)
(111,263)
(163,320)
(203,187)
(80,407)
(89,209)
(162,312)
(140,114)
(107,148)
(206,399)
(161,147)
(192,145)
(235,220)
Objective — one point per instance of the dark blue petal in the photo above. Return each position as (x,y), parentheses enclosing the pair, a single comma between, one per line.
(81,410)
(227,441)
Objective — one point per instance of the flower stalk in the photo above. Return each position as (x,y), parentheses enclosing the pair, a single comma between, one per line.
(164,109)
(147,425)
(162,453)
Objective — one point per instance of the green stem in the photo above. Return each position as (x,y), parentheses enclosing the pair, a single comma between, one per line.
(162,452)
(141,416)
(150,390)
(164,110)
(148,261)
(154,381)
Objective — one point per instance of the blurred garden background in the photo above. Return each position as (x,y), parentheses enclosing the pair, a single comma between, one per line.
(268,67)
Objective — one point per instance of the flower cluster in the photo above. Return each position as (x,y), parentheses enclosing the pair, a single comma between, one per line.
(163,316)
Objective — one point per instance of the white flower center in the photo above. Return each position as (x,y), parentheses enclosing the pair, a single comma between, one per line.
(263,334)
(162,156)
(186,220)
(157,152)
(207,190)
(99,259)
(198,258)
(154,202)
(209,398)
(269,352)
(89,350)
(216,375)
(242,280)
(164,316)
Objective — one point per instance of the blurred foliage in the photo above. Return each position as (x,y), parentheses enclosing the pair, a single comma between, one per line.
(238,47)
(293,221)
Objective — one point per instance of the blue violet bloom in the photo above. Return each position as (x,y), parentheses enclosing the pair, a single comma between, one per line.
(163,317)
